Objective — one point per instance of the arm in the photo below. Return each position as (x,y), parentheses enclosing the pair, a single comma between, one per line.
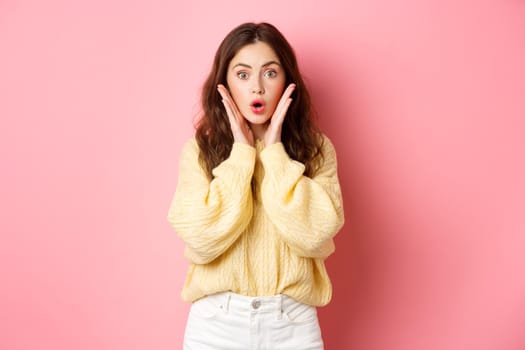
(209,216)
(307,211)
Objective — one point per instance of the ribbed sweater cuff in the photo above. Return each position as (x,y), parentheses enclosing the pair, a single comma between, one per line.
(277,162)
(239,165)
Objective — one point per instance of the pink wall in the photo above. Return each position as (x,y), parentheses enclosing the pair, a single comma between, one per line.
(423,100)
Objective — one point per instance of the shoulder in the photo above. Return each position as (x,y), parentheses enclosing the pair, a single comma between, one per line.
(190,145)
(327,147)
(190,149)
(328,160)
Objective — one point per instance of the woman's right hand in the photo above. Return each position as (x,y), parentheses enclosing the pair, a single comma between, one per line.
(240,128)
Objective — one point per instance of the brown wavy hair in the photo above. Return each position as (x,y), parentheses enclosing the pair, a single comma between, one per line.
(300,136)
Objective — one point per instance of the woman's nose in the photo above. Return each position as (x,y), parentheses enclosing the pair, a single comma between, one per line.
(257,88)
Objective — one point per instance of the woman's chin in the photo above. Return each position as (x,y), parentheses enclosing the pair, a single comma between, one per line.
(258,119)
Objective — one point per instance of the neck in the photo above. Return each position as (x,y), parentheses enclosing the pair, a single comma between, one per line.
(259,130)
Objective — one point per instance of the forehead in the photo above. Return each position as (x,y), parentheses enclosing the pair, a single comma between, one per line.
(255,54)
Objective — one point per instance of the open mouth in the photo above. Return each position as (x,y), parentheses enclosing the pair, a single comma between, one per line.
(257,106)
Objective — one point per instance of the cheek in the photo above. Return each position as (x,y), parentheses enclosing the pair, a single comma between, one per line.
(280,84)
(278,89)
(236,95)
(235,91)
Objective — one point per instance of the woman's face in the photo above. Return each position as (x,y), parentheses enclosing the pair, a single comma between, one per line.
(256,82)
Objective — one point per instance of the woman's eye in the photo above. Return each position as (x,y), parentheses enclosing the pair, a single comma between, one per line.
(271,74)
(242,75)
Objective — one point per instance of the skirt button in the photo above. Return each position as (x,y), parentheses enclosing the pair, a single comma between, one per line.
(256,304)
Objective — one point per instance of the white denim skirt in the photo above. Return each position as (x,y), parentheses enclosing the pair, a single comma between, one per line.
(229,321)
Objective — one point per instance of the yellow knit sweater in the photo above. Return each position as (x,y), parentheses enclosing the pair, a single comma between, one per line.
(273,241)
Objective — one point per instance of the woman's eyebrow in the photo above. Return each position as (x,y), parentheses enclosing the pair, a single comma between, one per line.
(242,65)
(270,63)
(250,67)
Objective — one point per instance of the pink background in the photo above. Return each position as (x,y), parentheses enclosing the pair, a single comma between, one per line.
(424,101)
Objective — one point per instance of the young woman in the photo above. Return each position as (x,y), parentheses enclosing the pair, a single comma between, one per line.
(258,202)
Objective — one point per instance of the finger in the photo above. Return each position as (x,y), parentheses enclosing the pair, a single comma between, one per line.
(237,125)
(233,106)
(287,93)
(231,115)
(227,102)
(289,90)
(285,101)
(223,92)
(278,118)
(285,107)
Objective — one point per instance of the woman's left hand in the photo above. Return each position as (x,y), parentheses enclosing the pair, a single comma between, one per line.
(273,132)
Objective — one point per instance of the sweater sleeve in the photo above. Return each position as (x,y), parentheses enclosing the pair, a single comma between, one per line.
(307,211)
(209,216)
